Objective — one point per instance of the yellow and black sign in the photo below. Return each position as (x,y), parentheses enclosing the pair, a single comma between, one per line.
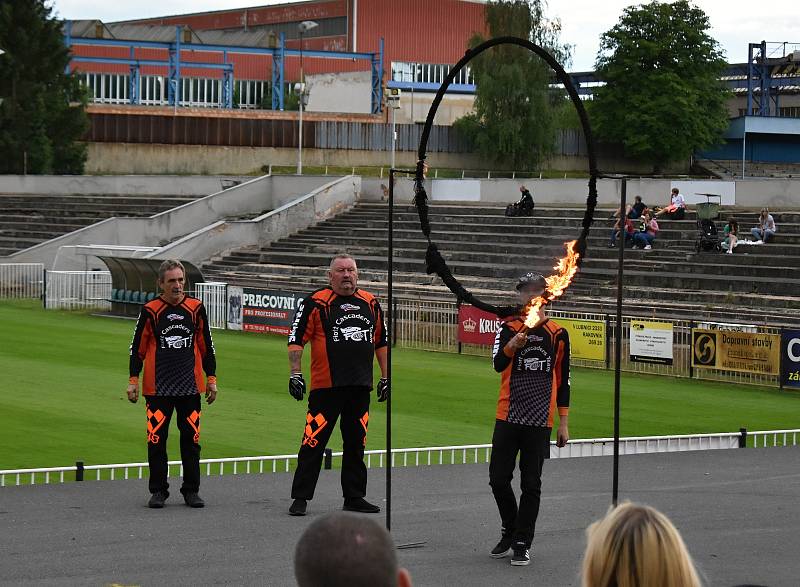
(745,352)
(587,338)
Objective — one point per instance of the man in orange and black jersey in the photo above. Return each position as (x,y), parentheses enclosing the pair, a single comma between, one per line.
(534,367)
(346,329)
(173,341)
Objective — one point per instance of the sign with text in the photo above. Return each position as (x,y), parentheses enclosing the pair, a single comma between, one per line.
(263,310)
(744,352)
(651,342)
(587,338)
(790,355)
(476,326)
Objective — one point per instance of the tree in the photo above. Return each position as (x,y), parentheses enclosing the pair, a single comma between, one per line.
(663,98)
(42,114)
(514,121)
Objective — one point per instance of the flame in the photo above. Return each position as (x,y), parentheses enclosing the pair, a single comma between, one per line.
(557,284)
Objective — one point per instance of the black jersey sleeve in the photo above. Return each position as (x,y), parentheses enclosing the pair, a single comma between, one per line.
(380,326)
(301,324)
(499,358)
(562,346)
(138,348)
(206,344)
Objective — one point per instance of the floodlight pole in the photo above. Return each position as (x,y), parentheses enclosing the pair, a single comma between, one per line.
(618,337)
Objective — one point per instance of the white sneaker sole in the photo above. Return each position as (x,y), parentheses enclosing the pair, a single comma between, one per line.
(520,563)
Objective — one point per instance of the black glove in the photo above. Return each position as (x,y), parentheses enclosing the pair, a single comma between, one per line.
(297,386)
(383,389)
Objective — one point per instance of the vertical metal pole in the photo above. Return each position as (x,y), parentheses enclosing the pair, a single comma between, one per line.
(782,362)
(618,339)
(389,305)
(691,348)
(394,133)
(300,137)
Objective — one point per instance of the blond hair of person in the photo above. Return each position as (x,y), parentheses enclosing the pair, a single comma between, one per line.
(636,546)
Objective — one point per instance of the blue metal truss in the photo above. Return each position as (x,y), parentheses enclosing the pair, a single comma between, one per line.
(377,80)
(277,74)
(173,85)
(174,63)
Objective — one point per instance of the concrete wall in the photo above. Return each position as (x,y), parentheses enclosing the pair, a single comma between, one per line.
(340,92)
(255,196)
(775,194)
(222,237)
(129,158)
(123,158)
(140,185)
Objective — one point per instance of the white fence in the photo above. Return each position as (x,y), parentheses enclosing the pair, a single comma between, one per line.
(21,280)
(214,296)
(72,290)
(417,456)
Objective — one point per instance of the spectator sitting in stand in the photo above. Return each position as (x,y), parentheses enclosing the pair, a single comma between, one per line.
(766,227)
(645,236)
(628,232)
(677,207)
(525,203)
(636,545)
(632,212)
(731,235)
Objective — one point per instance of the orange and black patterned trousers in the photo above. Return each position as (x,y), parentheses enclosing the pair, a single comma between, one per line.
(159,414)
(325,406)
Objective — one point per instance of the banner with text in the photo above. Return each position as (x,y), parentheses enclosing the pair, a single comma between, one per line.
(587,338)
(744,352)
(476,326)
(261,310)
(651,342)
(790,353)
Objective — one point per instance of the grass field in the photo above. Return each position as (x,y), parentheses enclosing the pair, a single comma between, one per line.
(64,397)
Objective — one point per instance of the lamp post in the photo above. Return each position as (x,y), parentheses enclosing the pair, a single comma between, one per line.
(393,102)
(300,88)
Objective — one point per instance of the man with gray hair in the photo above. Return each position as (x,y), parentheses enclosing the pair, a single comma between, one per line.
(344,550)
(172,341)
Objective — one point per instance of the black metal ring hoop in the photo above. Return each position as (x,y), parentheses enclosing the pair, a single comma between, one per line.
(434,261)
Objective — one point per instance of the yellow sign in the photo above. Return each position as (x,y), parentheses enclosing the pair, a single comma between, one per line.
(747,352)
(587,338)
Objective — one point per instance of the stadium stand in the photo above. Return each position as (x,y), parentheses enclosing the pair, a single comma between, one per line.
(30,219)
(732,168)
(487,250)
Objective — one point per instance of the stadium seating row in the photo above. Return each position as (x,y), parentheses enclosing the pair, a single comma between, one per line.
(126,296)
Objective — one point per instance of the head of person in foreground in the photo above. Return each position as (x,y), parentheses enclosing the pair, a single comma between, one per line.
(636,545)
(341,549)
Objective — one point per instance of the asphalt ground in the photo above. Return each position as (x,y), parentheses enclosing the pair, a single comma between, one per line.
(738,511)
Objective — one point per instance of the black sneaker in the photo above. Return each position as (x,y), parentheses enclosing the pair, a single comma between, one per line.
(503,547)
(359,504)
(157,499)
(298,507)
(193,500)
(521,555)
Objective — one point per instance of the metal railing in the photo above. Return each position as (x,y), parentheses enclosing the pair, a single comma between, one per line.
(214,296)
(21,280)
(73,290)
(415,456)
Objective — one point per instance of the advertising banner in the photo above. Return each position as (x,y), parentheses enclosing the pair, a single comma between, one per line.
(651,342)
(745,352)
(264,310)
(790,358)
(476,326)
(587,338)
(234,307)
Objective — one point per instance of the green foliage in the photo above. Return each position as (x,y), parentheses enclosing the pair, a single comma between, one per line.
(42,115)
(514,120)
(662,99)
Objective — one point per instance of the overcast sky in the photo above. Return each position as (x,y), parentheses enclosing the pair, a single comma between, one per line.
(733,24)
